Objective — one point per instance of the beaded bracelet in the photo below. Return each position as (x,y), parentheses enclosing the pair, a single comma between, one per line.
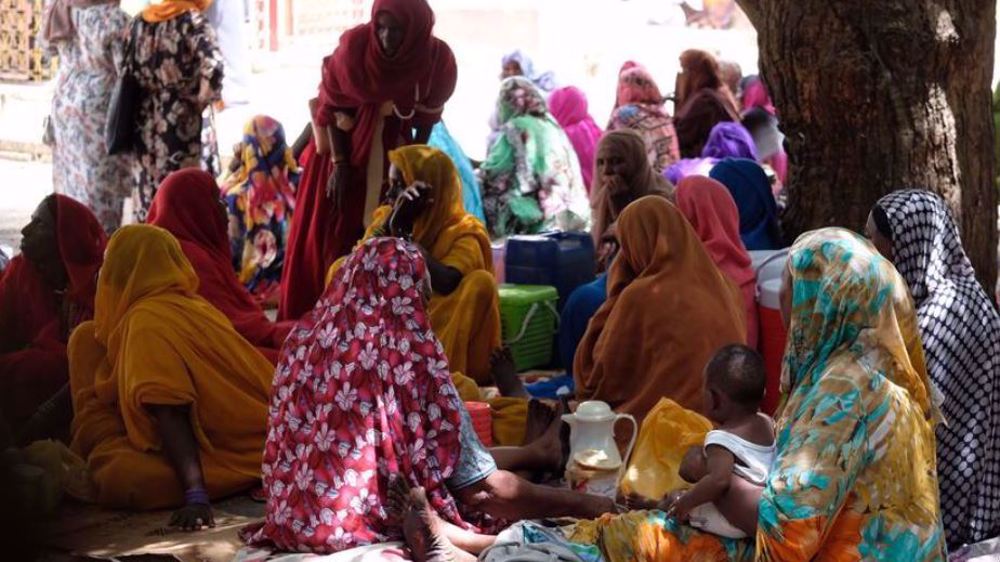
(196,496)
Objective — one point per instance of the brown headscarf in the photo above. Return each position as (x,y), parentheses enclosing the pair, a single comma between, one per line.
(669,309)
(642,180)
(703,100)
(58,24)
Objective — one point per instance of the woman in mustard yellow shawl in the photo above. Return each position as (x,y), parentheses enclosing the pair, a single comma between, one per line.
(170,402)
(465,307)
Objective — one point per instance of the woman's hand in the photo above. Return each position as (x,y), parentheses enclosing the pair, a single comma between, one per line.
(408,206)
(193,517)
(339,181)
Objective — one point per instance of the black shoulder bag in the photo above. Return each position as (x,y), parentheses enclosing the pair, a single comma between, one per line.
(123,111)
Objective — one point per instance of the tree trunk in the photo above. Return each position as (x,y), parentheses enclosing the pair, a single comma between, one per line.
(878,96)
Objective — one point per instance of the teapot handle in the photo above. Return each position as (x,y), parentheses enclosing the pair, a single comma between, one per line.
(631,442)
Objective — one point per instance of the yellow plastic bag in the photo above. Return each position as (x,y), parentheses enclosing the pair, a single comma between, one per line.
(666,434)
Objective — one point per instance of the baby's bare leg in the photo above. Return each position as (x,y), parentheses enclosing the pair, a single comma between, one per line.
(739,504)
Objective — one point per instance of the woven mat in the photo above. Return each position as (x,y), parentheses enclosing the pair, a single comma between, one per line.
(84,530)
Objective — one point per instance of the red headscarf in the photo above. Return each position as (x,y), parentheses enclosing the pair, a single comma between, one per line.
(363,392)
(187,205)
(712,212)
(359,75)
(636,85)
(29,310)
(81,247)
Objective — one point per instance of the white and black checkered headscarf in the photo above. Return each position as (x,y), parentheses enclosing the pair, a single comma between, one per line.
(960,329)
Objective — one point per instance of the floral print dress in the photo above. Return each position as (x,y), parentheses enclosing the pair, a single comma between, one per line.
(81,167)
(362,394)
(174,61)
(260,196)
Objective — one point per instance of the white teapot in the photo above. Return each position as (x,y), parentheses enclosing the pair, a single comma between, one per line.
(592,436)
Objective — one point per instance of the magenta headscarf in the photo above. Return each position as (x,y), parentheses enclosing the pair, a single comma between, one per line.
(755,95)
(569,106)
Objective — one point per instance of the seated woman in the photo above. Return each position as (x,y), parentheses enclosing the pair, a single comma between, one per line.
(427,208)
(669,309)
(854,473)
(44,293)
(170,402)
(622,174)
(187,205)
(639,107)
(259,194)
(363,398)
(569,107)
(750,188)
(712,212)
(531,177)
(704,100)
(727,140)
(961,335)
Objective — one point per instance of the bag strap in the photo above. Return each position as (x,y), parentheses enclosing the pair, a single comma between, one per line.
(128,56)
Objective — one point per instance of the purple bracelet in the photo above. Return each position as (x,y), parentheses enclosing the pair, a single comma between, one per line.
(196,496)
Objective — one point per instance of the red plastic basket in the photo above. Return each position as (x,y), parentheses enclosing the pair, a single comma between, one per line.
(482,421)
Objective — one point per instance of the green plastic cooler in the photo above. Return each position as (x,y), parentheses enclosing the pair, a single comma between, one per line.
(529,318)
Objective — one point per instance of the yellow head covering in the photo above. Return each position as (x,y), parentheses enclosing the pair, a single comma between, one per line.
(142,261)
(163,10)
(446,221)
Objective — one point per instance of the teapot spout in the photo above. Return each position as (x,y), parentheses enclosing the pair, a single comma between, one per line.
(570,420)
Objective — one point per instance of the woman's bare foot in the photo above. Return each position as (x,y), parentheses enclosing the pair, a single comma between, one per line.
(540,416)
(424,535)
(505,374)
(549,445)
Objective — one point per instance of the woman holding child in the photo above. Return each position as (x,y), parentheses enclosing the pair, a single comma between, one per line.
(844,481)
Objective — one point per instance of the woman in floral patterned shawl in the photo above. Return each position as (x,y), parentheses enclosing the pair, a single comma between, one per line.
(362,392)
(531,178)
(639,106)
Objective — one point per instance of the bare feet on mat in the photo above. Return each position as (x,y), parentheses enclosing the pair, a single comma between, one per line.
(424,535)
(505,374)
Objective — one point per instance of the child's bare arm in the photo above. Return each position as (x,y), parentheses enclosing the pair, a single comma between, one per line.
(713,485)
(693,467)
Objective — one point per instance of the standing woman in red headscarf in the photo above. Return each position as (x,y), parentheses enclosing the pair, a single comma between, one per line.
(384,86)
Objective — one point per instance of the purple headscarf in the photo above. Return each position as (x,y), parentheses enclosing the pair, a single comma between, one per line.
(569,106)
(728,139)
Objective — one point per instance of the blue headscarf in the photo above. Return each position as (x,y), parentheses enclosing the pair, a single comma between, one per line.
(442,140)
(750,188)
(544,81)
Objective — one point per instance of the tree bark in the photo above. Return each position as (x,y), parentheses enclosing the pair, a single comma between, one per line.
(879,96)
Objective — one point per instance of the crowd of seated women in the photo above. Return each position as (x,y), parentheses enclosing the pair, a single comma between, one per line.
(151,355)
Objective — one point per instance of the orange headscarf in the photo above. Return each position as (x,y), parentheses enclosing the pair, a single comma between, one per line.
(169,9)
(669,309)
